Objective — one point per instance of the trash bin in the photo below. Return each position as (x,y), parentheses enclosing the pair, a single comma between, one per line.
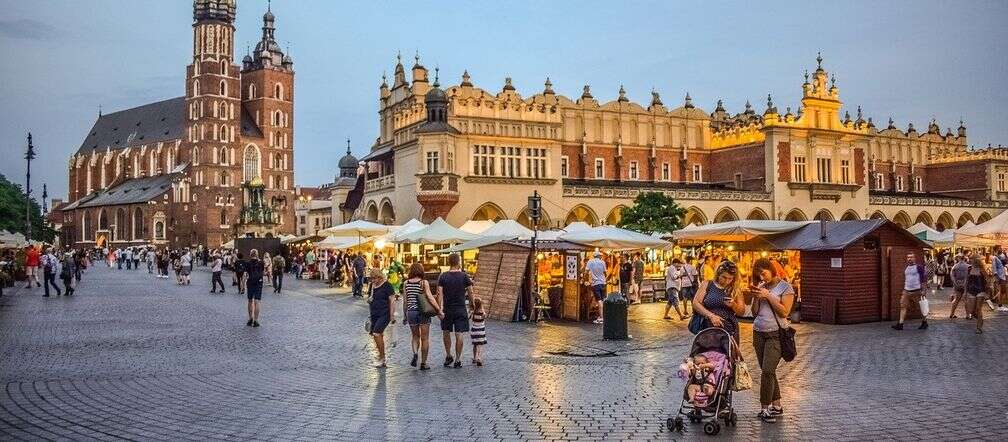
(614,317)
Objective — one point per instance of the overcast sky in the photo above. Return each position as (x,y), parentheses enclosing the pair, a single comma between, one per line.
(912,60)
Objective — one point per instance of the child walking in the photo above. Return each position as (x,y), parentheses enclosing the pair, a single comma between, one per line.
(477,331)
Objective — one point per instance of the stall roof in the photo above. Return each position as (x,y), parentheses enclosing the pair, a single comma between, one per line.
(839,235)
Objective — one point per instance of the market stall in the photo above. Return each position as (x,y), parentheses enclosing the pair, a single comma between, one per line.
(850,271)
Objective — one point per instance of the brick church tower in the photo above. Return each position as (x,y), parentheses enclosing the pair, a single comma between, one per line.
(267,82)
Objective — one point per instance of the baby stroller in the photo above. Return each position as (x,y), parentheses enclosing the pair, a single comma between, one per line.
(719,405)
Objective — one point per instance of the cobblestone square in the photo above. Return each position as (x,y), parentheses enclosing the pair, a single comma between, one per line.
(138,358)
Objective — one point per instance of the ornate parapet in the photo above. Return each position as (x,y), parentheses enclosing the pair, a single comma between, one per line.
(596,191)
(916,201)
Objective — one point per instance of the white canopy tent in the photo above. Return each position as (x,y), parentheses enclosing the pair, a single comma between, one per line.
(991,233)
(737,231)
(411,226)
(438,232)
(611,237)
(476,227)
(508,228)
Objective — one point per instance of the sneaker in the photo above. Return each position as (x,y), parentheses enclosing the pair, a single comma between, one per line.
(767,416)
(448,361)
(897,326)
(776,411)
(923,326)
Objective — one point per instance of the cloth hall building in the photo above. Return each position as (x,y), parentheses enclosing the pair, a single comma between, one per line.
(465,153)
(202,168)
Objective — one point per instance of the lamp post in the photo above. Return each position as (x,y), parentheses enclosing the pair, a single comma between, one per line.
(535,212)
(29,156)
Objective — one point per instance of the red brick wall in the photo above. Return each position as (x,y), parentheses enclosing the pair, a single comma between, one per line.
(967,180)
(747,160)
(784,161)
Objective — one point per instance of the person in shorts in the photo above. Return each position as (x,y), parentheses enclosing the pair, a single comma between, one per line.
(914,282)
(596,269)
(454,289)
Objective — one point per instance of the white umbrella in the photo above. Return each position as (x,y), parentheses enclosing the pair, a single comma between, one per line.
(476,227)
(611,237)
(737,231)
(508,228)
(438,232)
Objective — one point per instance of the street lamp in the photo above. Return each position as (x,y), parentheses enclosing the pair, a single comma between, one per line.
(29,156)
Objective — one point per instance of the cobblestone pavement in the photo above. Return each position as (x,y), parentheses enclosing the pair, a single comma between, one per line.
(134,357)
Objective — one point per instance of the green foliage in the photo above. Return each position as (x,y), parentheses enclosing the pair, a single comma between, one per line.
(652,212)
(12,212)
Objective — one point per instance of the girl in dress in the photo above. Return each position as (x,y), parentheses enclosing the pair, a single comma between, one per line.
(477,331)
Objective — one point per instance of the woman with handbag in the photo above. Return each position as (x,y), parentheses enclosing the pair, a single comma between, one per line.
(772,338)
(419,305)
(717,302)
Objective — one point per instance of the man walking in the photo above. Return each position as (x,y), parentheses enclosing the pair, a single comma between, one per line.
(359,266)
(914,283)
(279,263)
(454,288)
(596,269)
(50,268)
(215,279)
(32,258)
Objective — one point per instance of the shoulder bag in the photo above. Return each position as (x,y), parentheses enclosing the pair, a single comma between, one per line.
(787,338)
(426,308)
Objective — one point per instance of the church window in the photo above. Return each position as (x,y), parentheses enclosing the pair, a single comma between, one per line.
(251,163)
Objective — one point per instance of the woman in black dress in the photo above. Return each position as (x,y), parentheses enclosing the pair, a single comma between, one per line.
(381,312)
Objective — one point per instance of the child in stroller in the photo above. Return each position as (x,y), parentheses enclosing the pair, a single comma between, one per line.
(709,372)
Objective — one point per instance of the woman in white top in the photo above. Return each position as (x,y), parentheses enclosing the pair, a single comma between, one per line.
(771,306)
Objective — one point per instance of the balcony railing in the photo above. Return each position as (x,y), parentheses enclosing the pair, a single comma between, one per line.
(380,183)
(437,182)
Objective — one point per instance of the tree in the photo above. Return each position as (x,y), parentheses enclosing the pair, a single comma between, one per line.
(12,212)
(652,212)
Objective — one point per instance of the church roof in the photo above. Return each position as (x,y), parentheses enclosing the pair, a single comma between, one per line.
(150,123)
(131,191)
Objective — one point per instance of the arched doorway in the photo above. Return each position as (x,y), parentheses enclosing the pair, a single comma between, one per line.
(725,215)
(925,218)
(795,215)
(945,222)
(371,213)
(963,219)
(849,215)
(694,216)
(488,212)
(823,215)
(582,213)
(386,215)
(545,222)
(615,215)
(902,219)
(757,214)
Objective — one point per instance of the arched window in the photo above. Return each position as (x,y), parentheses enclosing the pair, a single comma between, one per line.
(223,88)
(251,91)
(251,162)
(278,92)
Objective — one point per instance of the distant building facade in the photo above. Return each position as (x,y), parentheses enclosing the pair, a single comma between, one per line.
(203,168)
(464,153)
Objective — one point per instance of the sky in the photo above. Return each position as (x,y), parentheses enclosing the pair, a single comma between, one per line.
(909,60)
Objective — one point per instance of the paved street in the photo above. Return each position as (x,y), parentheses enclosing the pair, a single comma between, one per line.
(134,357)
